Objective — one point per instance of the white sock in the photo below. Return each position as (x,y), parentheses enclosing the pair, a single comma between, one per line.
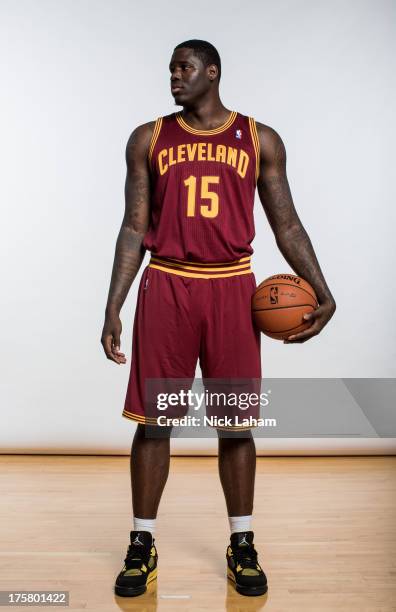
(240,523)
(142,524)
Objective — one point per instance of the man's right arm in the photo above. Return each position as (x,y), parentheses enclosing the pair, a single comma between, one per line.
(129,252)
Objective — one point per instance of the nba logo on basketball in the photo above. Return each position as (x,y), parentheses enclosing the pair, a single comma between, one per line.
(238,134)
(274,295)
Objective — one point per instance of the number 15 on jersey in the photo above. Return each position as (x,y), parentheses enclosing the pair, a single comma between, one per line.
(206,210)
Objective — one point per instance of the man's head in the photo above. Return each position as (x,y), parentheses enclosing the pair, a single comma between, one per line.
(195,69)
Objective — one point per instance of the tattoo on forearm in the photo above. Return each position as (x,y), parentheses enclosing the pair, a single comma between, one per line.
(293,242)
(127,261)
(298,251)
(129,251)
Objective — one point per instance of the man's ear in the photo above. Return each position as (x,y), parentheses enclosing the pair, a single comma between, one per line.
(212,72)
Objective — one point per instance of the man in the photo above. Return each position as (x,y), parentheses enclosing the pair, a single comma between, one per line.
(189,192)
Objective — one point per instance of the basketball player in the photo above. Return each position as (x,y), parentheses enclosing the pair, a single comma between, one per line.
(189,192)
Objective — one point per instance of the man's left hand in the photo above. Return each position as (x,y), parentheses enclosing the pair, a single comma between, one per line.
(318,318)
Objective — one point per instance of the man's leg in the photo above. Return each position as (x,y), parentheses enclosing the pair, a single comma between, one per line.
(237,470)
(149,465)
(230,361)
(165,347)
(230,356)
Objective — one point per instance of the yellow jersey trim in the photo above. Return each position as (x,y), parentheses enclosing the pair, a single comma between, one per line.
(154,137)
(157,261)
(217,130)
(190,275)
(194,269)
(256,144)
(139,418)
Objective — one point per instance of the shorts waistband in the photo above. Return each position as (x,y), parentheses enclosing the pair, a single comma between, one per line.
(197,269)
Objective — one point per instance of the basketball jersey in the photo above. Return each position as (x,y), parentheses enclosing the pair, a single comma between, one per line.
(202,189)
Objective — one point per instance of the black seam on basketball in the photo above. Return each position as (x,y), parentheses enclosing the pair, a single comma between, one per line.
(282,331)
(288,285)
(280,307)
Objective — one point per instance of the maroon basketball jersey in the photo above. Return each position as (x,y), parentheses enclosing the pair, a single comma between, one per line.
(203,185)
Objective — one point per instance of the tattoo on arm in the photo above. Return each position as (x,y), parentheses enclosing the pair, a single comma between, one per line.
(129,252)
(274,192)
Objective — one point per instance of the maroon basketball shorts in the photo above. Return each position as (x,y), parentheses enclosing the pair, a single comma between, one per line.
(187,312)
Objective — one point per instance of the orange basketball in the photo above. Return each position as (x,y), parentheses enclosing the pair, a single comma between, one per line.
(279,304)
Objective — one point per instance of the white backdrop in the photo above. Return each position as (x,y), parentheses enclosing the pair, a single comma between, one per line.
(77,77)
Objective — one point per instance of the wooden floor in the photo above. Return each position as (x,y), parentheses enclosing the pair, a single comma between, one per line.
(325,530)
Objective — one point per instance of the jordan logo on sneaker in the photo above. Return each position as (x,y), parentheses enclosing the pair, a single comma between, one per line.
(137,541)
(243,541)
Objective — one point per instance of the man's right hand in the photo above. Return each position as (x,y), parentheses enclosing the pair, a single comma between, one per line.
(111,338)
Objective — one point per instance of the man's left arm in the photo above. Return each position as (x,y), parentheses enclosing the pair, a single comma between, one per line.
(290,235)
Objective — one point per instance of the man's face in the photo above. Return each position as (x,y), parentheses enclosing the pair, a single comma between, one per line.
(189,77)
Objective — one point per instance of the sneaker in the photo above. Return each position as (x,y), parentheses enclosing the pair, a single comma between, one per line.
(140,565)
(242,565)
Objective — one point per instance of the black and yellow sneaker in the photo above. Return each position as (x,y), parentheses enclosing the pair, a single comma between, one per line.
(243,568)
(140,565)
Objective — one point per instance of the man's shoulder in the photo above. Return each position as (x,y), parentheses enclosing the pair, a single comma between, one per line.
(143,130)
(141,135)
(267,132)
(271,144)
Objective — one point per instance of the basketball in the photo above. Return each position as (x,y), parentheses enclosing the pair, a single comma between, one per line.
(279,304)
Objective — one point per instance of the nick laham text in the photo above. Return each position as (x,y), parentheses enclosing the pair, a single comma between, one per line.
(214,421)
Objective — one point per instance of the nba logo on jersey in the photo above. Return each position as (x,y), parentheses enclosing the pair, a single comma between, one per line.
(238,134)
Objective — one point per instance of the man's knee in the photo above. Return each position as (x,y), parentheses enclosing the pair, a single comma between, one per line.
(234,434)
(144,430)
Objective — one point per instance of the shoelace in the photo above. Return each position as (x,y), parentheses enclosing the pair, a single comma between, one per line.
(246,556)
(136,555)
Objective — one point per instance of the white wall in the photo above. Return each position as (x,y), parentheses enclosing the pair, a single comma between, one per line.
(78,77)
